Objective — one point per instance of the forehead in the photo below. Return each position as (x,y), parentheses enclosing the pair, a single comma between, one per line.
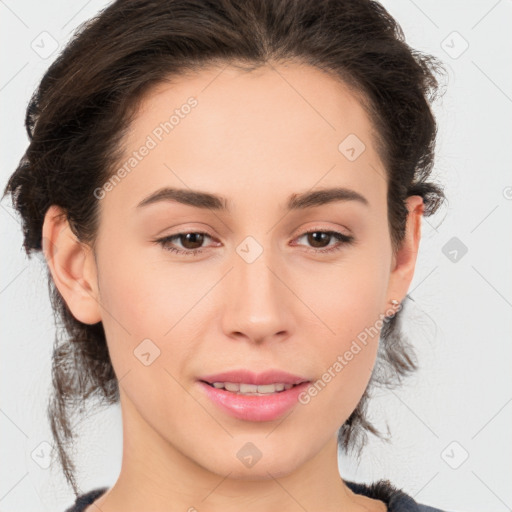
(277,96)
(278,127)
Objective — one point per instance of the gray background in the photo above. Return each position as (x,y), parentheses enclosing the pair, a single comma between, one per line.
(451,422)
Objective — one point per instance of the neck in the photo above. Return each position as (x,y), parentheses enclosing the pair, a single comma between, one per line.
(155,475)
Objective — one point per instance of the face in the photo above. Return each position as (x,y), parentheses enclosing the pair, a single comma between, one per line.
(258,279)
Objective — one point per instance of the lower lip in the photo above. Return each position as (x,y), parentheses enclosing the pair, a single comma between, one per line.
(254,407)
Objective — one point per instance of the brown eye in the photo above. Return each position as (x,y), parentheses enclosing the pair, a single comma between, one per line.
(319,241)
(318,238)
(191,242)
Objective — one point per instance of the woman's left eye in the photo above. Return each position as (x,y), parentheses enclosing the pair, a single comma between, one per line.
(317,236)
(196,239)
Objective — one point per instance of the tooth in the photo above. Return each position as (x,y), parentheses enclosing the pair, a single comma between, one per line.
(267,388)
(248,388)
(232,386)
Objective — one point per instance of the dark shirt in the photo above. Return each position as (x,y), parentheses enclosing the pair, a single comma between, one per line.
(395,499)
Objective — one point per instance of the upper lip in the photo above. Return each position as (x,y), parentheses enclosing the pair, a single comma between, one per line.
(248,377)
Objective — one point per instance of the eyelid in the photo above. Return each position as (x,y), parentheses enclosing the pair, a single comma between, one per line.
(324,229)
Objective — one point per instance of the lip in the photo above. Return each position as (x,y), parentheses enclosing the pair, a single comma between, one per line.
(253,407)
(248,377)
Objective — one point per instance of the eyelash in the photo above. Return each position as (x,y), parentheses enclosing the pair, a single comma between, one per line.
(343,239)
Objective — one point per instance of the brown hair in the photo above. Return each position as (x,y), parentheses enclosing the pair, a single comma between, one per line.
(83,106)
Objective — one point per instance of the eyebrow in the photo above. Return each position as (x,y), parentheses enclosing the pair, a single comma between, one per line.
(206,200)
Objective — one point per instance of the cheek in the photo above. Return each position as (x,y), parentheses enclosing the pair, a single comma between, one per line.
(349,296)
(149,307)
(350,303)
(140,295)
(130,315)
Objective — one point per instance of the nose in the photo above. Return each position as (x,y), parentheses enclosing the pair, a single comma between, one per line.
(258,304)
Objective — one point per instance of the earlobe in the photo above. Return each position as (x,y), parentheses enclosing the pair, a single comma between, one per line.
(72,267)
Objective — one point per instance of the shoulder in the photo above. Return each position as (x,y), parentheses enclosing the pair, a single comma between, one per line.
(395,499)
(83,500)
(426,508)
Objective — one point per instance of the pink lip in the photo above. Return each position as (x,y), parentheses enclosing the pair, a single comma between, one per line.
(253,407)
(248,377)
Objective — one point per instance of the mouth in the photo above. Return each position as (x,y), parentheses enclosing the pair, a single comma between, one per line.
(246,389)
(253,402)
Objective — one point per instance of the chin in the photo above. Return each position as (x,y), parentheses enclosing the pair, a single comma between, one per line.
(266,468)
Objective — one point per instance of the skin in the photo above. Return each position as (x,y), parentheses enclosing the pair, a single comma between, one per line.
(255,140)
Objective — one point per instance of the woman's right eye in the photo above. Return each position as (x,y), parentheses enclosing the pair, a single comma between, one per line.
(196,238)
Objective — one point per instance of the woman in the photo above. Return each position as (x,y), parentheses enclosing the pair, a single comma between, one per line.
(229,199)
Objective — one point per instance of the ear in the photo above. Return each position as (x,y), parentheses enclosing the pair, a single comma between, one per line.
(72,267)
(404,261)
